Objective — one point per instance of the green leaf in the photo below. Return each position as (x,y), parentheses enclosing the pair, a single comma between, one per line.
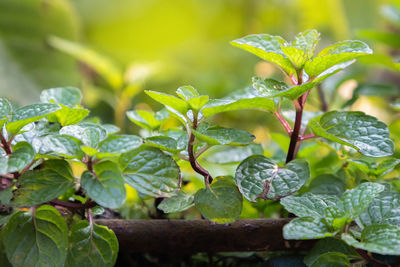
(336,54)
(150,171)
(267,47)
(248,98)
(221,203)
(234,154)
(22,155)
(307,41)
(327,245)
(308,204)
(272,88)
(148,119)
(5,111)
(164,143)
(386,166)
(297,56)
(170,101)
(27,114)
(306,228)
(51,181)
(91,134)
(327,184)
(332,259)
(384,209)
(6,195)
(356,200)
(111,128)
(187,92)
(178,203)
(69,116)
(377,238)
(67,96)
(4,262)
(190,95)
(39,239)
(217,135)
(105,185)
(60,145)
(181,137)
(117,144)
(355,129)
(92,245)
(259,177)
(102,65)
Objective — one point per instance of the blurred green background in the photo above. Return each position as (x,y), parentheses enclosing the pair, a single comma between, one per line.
(157,45)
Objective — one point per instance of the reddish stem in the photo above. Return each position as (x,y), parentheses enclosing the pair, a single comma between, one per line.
(284,123)
(299,106)
(370,259)
(192,158)
(305,137)
(71,205)
(6,145)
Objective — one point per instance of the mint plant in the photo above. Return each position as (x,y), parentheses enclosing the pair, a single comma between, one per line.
(58,168)
(364,217)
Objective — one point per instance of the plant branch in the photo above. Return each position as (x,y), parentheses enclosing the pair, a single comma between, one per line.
(305,137)
(73,206)
(192,158)
(296,131)
(202,150)
(6,145)
(321,94)
(370,259)
(284,123)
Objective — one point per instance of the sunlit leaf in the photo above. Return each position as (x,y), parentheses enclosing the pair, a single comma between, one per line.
(170,101)
(267,47)
(248,98)
(334,55)
(27,114)
(67,96)
(217,135)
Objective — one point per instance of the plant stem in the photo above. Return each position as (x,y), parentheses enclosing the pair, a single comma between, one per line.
(192,158)
(295,135)
(284,123)
(321,94)
(299,106)
(71,205)
(305,137)
(370,259)
(6,145)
